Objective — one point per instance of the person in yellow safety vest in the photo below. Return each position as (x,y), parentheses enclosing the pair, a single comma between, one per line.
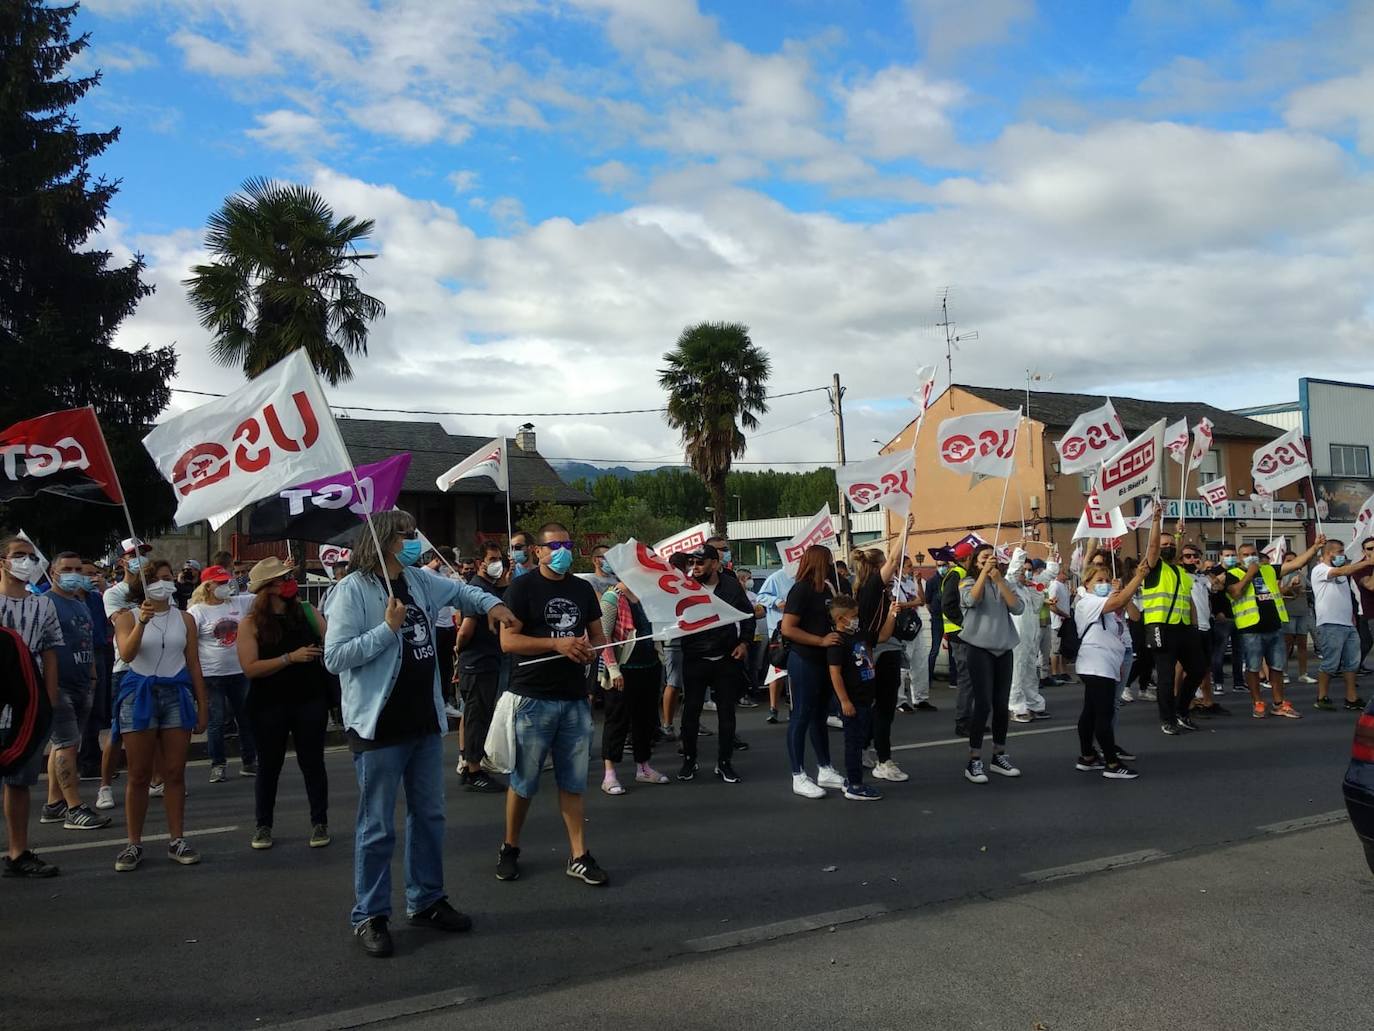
(1257,604)
(1167,611)
(952,613)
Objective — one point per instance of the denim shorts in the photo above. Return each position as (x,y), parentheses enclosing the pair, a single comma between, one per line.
(27,775)
(1340,647)
(549,725)
(166,711)
(1299,625)
(70,713)
(1259,648)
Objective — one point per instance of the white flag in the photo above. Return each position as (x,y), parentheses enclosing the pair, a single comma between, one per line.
(1202,441)
(1282,462)
(271,434)
(675,604)
(41,565)
(1137,470)
(1147,513)
(925,387)
(984,442)
(1093,436)
(1276,550)
(886,481)
(820,530)
(488,460)
(1094,522)
(330,554)
(688,540)
(1176,440)
(1364,526)
(1214,493)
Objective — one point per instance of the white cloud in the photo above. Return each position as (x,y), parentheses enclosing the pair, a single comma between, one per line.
(1344,106)
(903,111)
(205,55)
(507,210)
(612,176)
(944,28)
(403,118)
(465,180)
(293,131)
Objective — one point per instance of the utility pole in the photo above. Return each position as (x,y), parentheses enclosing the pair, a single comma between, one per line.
(837,407)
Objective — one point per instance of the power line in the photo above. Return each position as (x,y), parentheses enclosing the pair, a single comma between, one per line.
(501,415)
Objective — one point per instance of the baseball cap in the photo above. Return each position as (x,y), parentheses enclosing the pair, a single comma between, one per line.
(962,550)
(216,575)
(192,564)
(705,551)
(131,544)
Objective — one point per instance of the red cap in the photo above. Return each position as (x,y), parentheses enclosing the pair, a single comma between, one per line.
(963,550)
(216,575)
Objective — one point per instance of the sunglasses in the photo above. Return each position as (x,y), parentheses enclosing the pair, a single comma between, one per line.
(559,545)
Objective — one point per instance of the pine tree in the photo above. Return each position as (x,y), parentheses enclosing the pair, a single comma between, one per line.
(60,304)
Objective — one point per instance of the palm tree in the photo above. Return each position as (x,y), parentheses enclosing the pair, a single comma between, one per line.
(283,280)
(716,381)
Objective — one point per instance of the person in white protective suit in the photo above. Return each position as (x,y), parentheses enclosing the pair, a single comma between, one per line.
(1026,701)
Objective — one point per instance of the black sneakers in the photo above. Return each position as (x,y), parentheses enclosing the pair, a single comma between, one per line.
(442,917)
(585,868)
(688,771)
(727,773)
(1090,764)
(26,864)
(1172,729)
(373,936)
(479,782)
(1187,723)
(508,864)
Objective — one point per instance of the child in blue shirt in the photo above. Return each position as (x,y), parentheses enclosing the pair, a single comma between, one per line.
(853,676)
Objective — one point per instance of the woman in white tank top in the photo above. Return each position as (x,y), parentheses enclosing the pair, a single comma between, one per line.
(161,700)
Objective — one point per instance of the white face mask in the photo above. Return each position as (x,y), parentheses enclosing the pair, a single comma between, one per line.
(226,591)
(160,590)
(23,567)
(495,569)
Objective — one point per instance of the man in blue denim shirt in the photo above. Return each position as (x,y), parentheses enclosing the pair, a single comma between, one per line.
(558,620)
(383,650)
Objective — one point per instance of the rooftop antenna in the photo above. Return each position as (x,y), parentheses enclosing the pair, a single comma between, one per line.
(1034,376)
(952,340)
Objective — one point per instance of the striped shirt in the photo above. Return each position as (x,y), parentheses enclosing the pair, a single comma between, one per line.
(33,618)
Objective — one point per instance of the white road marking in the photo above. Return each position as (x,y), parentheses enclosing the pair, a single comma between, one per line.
(1055,873)
(116,843)
(783,928)
(1063,728)
(1302,824)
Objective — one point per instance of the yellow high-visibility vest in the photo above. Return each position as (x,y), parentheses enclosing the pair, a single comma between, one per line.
(958,573)
(1167,601)
(1245,609)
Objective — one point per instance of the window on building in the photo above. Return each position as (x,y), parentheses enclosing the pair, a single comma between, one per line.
(1087,481)
(1350,460)
(1210,466)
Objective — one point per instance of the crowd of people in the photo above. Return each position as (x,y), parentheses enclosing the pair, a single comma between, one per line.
(515,645)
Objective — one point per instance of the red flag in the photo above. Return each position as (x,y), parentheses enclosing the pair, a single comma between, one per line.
(61,453)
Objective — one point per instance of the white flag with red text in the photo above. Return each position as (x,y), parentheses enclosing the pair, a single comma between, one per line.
(1147,512)
(1093,436)
(1364,527)
(1281,462)
(1176,440)
(820,530)
(1135,470)
(925,387)
(489,460)
(1202,441)
(676,605)
(268,435)
(688,540)
(887,481)
(1214,493)
(983,443)
(1095,522)
(1276,549)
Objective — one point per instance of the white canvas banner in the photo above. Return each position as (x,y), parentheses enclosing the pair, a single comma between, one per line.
(488,460)
(271,434)
(820,530)
(1137,469)
(1094,436)
(886,481)
(1281,462)
(676,605)
(982,443)
(688,540)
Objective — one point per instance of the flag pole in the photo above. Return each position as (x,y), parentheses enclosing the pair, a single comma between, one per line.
(1315,513)
(1183,485)
(1006,484)
(123,501)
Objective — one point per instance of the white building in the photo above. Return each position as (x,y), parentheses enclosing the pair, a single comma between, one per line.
(754,541)
(1338,421)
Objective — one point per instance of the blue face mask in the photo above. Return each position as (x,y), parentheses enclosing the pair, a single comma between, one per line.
(562,561)
(725,557)
(1338,560)
(1229,561)
(410,552)
(607,569)
(134,564)
(518,556)
(1101,589)
(71,582)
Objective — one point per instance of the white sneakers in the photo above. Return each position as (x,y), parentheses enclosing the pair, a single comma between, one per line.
(806,787)
(829,777)
(104,797)
(890,771)
(834,723)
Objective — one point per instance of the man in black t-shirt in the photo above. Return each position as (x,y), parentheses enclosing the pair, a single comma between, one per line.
(560,623)
(479,675)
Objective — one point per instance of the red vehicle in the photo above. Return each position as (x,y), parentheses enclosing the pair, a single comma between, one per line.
(1359,783)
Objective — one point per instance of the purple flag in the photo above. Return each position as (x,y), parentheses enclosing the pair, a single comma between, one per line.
(329,509)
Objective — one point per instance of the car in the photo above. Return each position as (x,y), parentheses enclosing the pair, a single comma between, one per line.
(1359,783)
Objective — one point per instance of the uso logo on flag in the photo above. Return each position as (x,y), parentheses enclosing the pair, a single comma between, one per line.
(210,462)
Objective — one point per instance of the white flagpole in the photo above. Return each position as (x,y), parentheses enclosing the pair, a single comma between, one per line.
(1183,486)
(1315,514)
(1006,484)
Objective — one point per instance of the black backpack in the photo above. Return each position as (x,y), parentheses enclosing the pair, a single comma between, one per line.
(1069,641)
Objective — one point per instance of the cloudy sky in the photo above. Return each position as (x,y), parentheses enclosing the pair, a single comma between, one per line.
(1158,198)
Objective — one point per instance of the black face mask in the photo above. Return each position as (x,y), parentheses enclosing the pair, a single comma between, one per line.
(1167,554)
(1190,564)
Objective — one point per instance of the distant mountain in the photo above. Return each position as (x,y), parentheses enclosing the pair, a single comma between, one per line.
(570,471)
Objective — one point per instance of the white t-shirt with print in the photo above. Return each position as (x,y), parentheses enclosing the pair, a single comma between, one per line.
(1102,638)
(217,635)
(1335,599)
(1059,598)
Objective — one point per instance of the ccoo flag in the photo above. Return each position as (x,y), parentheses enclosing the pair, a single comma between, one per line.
(489,460)
(1137,469)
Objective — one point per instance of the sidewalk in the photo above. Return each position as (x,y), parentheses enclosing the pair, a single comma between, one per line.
(1272,934)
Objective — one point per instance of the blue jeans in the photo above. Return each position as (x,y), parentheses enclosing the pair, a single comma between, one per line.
(857,730)
(419,765)
(1340,648)
(231,690)
(1264,648)
(563,727)
(811,695)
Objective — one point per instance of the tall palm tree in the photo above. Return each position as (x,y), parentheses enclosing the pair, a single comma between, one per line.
(717,383)
(284,279)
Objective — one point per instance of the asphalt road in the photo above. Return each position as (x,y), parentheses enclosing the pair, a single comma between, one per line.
(252,939)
